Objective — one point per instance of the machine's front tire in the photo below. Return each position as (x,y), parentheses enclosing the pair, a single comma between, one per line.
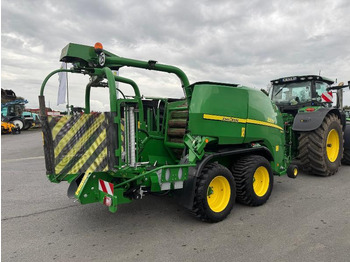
(254,180)
(215,193)
(321,150)
(292,171)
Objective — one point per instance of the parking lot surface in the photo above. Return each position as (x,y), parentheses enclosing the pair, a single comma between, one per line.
(305,219)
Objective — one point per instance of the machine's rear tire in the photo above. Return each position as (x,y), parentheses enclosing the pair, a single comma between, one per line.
(215,193)
(254,180)
(346,157)
(321,150)
(27,124)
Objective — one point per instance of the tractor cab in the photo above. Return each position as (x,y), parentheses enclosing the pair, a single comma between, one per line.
(292,93)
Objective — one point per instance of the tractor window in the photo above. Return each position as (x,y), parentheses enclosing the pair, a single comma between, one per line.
(320,88)
(292,93)
(4,111)
(18,110)
(11,110)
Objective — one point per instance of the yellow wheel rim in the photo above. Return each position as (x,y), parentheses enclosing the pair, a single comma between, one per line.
(295,172)
(332,145)
(218,194)
(261,181)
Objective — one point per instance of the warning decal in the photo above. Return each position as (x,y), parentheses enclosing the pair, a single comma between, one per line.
(79,143)
(327,97)
(105,187)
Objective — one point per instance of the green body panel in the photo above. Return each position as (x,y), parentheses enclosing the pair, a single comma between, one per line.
(291,138)
(155,151)
(218,101)
(82,54)
(268,131)
(237,115)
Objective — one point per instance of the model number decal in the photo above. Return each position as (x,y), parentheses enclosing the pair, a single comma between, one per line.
(270,123)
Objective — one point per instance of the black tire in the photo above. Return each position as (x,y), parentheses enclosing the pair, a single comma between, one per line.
(346,157)
(313,148)
(15,131)
(245,171)
(203,208)
(27,124)
(292,171)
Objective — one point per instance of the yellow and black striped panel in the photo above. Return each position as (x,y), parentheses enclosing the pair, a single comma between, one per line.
(80,143)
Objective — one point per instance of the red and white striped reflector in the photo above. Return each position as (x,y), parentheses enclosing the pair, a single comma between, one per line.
(327,97)
(105,187)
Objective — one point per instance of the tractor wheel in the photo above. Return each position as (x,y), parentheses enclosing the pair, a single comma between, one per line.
(215,193)
(292,171)
(321,150)
(27,124)
(254,180)
(346,157)
(18,123)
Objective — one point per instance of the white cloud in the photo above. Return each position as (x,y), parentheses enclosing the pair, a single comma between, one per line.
(248,42)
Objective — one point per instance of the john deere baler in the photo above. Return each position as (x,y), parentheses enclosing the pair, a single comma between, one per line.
(218,144)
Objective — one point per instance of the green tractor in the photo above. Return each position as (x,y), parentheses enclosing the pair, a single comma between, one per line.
(306,103)
(220,143)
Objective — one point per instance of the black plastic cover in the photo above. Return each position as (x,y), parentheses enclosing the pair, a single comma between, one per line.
(308,121)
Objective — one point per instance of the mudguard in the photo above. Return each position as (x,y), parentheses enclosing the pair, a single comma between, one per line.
(308,121)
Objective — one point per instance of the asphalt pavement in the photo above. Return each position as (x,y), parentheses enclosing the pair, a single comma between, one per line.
(305,219)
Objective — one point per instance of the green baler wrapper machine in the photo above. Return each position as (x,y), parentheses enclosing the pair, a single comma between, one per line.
(221,143)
